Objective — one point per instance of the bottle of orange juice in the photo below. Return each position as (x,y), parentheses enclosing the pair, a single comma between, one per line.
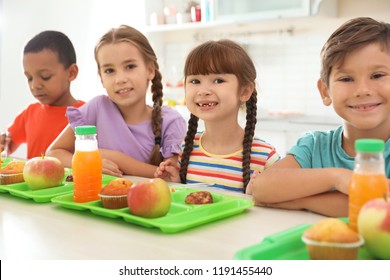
(368,179)
(86,165)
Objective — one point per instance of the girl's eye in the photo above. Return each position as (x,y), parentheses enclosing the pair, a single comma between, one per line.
(377,76)
(131,66)
(218,81)
(194,81)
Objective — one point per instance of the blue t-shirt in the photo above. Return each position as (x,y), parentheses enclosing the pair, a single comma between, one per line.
(322,149)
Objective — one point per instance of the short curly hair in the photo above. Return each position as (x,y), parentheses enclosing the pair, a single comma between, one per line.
(55,41)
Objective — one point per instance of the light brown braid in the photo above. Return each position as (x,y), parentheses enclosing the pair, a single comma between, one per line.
(157,90)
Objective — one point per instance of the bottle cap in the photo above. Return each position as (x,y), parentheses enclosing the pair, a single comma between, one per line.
(369,145)
(85,129)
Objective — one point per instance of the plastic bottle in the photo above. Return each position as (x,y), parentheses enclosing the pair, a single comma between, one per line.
(86,165)
(368,179)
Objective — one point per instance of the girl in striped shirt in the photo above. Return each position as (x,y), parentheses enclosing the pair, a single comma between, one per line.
(219,80)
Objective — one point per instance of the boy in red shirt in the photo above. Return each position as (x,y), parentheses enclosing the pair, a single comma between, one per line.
(49,63)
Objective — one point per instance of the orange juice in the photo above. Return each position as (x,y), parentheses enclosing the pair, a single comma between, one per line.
(364,187)
(87,175)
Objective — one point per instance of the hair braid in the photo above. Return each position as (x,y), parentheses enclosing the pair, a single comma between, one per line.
(157,94)
(188,146)
(251,119)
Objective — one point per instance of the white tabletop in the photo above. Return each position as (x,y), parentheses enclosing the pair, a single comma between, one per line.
(30,230)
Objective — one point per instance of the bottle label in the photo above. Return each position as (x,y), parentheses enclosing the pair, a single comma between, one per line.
(86,145)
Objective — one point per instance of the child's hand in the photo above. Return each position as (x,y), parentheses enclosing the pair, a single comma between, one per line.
(168,171)
(111,168)
(343,180)
(5,140)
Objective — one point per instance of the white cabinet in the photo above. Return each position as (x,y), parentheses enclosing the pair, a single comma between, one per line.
(261,9)
(217,13)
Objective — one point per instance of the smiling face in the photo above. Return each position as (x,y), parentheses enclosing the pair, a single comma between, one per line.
(359,89)
(213,97)
(48,80)
(124,73)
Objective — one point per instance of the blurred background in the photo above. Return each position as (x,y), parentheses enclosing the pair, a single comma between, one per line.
(283,37)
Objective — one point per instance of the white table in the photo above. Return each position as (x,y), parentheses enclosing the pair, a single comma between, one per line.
(30,230)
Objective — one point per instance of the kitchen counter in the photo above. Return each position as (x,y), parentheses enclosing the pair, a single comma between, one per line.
(48,231)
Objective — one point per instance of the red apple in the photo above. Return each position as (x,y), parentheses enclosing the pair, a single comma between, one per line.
(43,172)
(374,226)
(150,199)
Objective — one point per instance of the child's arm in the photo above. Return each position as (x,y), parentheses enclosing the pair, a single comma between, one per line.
(333,204)
(114,162)
(286,180)
(63,146)
(127,164)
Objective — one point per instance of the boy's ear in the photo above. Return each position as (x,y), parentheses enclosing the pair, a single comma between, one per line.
(73,71)
(324,92)
(246,92)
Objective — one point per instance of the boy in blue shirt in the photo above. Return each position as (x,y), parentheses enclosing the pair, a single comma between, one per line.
(355,79)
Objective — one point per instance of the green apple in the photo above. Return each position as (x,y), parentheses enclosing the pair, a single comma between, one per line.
(149,199)
(374,226)
(43,172)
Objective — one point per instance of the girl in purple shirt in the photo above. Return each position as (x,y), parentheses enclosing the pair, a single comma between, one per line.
(133,137)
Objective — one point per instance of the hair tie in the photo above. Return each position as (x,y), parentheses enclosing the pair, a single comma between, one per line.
(157,140)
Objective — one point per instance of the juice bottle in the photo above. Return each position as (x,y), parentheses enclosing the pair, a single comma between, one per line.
(86,165)
(368,180)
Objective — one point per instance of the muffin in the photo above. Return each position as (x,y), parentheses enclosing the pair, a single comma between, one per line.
(332,239)
(114,194)
(12,173)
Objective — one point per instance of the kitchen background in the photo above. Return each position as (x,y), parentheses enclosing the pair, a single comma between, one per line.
(283,37)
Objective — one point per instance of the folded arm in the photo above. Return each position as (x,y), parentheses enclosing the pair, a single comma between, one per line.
(332,204)
(287,181)
(114,162)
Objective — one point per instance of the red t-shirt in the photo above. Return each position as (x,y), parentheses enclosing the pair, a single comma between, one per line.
(38,126)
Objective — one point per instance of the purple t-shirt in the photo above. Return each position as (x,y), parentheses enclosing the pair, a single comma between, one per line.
(137,140)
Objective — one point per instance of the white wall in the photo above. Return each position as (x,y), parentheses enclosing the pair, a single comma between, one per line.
(288,66)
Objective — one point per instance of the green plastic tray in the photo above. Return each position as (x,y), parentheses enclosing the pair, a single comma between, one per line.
(181,216)
(285,245)
(44,195)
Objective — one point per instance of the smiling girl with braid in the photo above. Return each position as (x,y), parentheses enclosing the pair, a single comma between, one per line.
(219,78)
(133,138)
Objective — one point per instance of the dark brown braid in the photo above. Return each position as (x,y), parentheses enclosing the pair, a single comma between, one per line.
(157,91)
(251,119)
(188,146)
